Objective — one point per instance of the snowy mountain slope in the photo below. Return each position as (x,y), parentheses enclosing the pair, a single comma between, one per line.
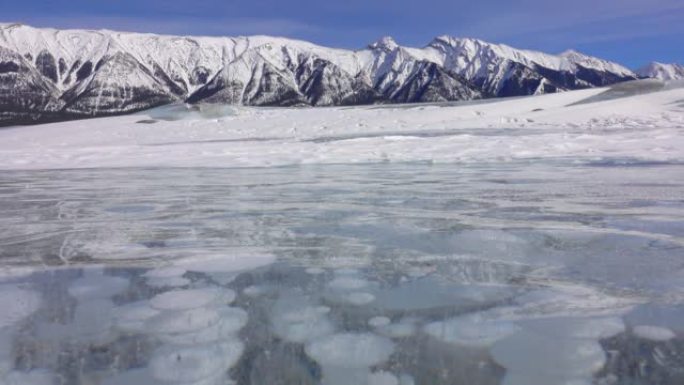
(50,74)
(662,71)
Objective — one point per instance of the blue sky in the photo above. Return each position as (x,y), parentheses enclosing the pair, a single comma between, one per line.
(631,32)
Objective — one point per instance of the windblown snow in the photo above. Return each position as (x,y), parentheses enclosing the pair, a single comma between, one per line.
(640,120)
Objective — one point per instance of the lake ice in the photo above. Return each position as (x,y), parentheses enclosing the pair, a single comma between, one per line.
(517,273)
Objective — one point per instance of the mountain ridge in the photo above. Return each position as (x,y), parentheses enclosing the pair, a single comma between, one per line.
(50,74)
(662,71)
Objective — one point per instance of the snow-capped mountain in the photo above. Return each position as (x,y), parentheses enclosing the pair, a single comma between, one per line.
(48,74)
(662,71)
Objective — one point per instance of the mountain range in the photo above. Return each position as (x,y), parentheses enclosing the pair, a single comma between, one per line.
(49,75)
(661,71)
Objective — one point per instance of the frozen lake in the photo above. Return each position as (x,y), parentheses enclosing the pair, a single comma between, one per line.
(519,273)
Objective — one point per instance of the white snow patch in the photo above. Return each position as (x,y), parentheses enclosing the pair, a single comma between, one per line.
(647,126)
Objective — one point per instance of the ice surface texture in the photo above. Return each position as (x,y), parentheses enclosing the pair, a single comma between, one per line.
(498,273)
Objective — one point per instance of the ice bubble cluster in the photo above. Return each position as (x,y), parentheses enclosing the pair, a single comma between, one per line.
(94,315)
(577,327)
(191,298)
(186,321)
(93,321)
(199,332)
(348,283)
(350,350)
(379,321)
(346,358)
(653,333)
(231,320)
(299,322)
(33,377)
(358,298)
(216,264)
(95,285)
(131,317)
(190,364)
(471,330)
(166,277)
(555,350)
(16,304)
(382,378)
(347,287)
(406,327)
(5,351)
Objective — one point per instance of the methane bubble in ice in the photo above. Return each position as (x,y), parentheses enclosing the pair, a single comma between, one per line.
(253,291)
(97,287)
(93,320)
(191,298)
(166,277)
(302,324)
(346,358)
(402,329)
(16,304)
(382,378)
(194,363)
(132,317)
(577,327)
(379,321)
(169,282)
(348,283)
(183,321)
(231,321)
(350,350)
(165,272)
(315,271)
(653,333)
(358,298)
(33,377)
(527,354)
(471,330)
(226,263)
(532,379)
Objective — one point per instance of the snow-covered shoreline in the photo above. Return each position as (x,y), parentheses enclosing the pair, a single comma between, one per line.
(647,127)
